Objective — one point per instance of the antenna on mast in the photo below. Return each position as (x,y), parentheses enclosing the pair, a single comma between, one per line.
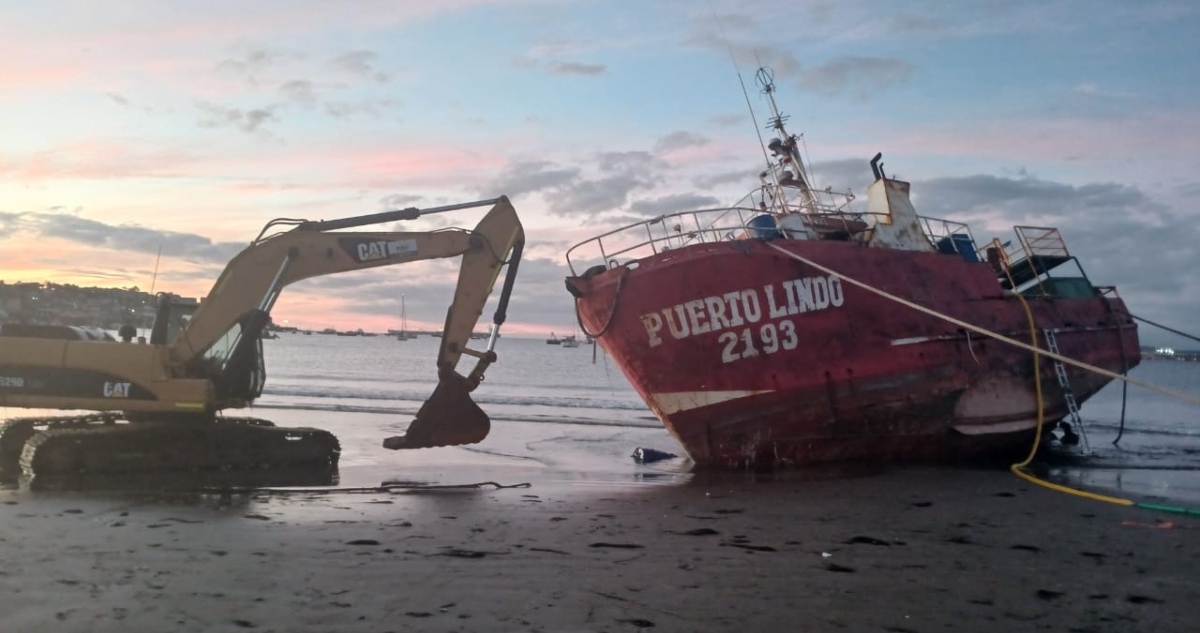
(155,277)
(785,147)
(745,94)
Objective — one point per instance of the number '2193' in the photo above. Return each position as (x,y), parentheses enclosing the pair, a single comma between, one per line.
(741,345)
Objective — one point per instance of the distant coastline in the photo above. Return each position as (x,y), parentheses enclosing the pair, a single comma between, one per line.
(68,304)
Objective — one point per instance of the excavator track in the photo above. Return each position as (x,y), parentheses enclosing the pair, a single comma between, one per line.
(16,431)
(105,451)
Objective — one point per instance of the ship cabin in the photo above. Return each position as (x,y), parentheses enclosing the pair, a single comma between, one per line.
(785,207)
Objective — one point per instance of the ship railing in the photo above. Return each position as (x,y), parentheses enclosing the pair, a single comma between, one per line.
(1037,241)
(1026,266)
(753,217)
(667,232)
(948,236)
(792,199)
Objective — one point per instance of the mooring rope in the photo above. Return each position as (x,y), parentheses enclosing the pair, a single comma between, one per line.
(1019,468)
(996,335)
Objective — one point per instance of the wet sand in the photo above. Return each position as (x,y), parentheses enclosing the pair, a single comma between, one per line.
(585,549)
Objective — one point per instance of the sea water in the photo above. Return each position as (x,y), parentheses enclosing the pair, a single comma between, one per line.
(1142,444)
(572,413)
(581,399)
(530,382)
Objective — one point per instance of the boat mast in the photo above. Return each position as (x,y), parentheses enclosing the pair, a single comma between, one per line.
(785,146)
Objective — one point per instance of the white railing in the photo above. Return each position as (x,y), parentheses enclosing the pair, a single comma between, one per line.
(705,226)
(663,233)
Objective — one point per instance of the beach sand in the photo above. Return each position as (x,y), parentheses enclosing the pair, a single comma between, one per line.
(903,549)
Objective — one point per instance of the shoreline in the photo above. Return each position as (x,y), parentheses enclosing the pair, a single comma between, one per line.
(550,454)
(901,549)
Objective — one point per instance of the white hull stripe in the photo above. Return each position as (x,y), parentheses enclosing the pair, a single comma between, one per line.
(676,401)
(996,427)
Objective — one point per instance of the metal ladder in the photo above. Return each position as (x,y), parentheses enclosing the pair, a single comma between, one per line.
(1068,395)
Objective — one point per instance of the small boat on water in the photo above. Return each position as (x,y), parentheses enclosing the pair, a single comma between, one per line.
(404,334)
(570,341)
(553,340)
(791,329)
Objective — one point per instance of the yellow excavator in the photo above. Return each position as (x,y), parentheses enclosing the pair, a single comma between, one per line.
(156,405)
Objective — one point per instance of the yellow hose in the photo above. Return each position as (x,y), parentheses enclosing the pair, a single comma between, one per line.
(1018,468)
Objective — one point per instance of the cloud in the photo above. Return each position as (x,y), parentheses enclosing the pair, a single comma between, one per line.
(631,162)
(301,91)
(360,64)
(918,24)
(568,192)
(673,203)
(1121,235)
(187,246)
(747,177)
(399,201)
(679,140)
(532,176)
(727,120)
(345,110)
(594,196)
(99,160)
(863,76)
(10,222)
(252,65)
(574,68)
(628,172)
(1030,197)
(858,76)
(849,173)
(248,121)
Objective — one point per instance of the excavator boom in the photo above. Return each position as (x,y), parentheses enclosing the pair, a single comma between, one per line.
(206,358)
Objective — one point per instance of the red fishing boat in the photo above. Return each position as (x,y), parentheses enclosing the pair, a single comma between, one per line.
(791,329)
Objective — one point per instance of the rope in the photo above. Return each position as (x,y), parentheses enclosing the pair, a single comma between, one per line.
(1000,337)
(1019,468)
(384,487)
(1158,325)
(1124,385)
(611,313)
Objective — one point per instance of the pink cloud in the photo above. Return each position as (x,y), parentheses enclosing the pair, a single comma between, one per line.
(98,159)
(15,76)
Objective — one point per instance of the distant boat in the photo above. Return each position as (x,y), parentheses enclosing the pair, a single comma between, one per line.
(404,334)
(570,341)
(553,340)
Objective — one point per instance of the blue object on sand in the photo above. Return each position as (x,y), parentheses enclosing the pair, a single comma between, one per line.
(647,455)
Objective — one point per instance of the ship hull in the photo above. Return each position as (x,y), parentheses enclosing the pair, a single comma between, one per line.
(751,358)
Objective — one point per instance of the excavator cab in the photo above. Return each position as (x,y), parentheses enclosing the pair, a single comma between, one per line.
(171,315)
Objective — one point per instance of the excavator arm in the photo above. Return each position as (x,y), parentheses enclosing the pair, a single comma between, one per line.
(221,341)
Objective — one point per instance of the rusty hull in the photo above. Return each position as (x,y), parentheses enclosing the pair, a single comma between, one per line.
(866,379)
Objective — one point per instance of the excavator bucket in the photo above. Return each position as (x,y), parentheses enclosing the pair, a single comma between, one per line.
(448,418)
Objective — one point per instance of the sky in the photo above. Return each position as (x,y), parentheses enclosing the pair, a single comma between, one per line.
(144,144)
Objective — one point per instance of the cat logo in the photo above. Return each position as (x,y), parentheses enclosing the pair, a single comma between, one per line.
(116,389)
(384,249)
